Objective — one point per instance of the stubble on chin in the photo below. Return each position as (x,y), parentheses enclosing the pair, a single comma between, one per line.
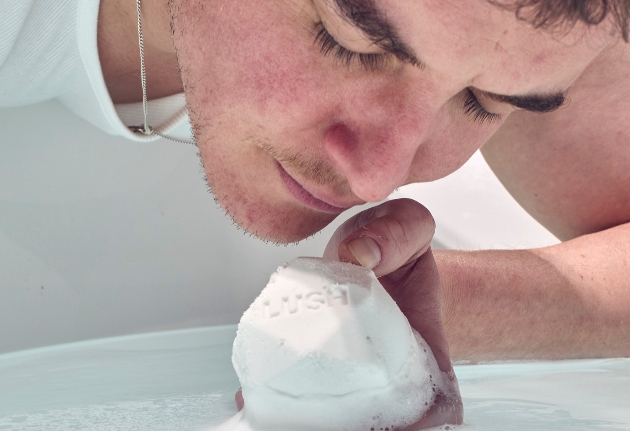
(269,219)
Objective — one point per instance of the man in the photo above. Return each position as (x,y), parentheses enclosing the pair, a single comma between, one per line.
(304,108)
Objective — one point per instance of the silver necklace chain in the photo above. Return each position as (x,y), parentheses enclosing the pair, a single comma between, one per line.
(145,128)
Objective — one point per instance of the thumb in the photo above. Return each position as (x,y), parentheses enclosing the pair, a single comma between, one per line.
(383,238)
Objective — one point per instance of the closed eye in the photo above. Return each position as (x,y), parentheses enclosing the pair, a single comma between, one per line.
(474,109)
(371,62)
(329,46)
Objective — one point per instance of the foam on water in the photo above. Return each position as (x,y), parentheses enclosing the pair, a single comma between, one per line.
(239,422)
(162,414)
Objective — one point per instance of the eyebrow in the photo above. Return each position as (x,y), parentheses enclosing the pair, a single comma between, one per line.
(531,102)
(364,15)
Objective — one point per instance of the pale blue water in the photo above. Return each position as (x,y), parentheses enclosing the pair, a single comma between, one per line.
(183,380)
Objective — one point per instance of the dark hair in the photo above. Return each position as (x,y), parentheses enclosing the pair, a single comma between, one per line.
(567,13)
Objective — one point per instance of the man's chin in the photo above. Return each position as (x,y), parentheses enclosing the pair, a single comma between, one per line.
(281,227)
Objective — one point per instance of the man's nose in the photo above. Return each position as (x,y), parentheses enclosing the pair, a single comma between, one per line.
(376,156)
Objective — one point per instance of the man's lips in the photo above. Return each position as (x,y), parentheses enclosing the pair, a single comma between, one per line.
(305,197)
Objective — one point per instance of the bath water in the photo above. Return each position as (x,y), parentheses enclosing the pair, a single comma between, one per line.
(183,380)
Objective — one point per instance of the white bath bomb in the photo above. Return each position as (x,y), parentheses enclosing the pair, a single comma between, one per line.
(324,346)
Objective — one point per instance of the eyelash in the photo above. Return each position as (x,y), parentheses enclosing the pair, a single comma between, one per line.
(370,62)
(474,109)
(329,46)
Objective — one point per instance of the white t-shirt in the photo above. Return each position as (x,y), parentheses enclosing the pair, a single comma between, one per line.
(48,49)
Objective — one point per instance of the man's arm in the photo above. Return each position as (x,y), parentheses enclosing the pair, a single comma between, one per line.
(571,300)
(570,169)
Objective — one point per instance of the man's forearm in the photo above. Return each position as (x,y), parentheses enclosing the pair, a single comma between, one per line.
(567,301)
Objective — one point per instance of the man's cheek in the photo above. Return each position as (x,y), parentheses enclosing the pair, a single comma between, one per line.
(277,71)
(449,146)
(280,79)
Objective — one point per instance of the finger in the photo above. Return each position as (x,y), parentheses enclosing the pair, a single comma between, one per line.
(238,399)
(385,237)
(445,410)
(416,289)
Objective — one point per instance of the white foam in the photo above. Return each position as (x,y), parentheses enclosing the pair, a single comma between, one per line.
(239,422)
(325,347)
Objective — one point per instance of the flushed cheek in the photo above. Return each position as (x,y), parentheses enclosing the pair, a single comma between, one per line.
(270,71)
(279,85)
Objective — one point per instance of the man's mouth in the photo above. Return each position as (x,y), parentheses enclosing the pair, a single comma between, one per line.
(305,197)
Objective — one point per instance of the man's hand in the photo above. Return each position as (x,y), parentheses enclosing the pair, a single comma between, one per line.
(394,240)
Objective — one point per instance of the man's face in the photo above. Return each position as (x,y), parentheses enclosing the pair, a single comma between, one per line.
(294,128)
